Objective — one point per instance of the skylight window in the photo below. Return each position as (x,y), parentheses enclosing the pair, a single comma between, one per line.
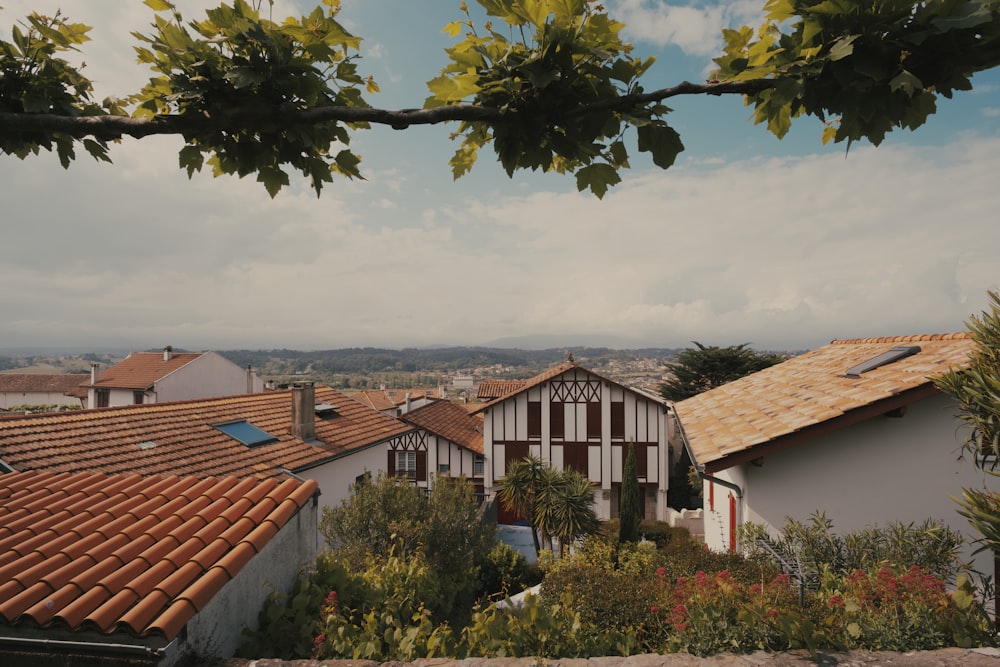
(246,433)
(893,355)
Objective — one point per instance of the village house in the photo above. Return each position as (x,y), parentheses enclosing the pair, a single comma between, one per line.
(453,445)
(60,390)
(123,569)
(397,402)
(854,429)
(573,418)
(154,377)
(312,432)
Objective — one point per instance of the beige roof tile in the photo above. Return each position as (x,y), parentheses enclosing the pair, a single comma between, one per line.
(809,390)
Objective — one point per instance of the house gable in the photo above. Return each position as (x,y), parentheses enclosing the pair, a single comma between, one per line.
(812,394)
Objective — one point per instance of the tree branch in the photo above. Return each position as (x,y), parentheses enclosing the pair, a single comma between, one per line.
(113,127)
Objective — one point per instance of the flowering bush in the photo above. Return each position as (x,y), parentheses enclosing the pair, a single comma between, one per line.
(902,611)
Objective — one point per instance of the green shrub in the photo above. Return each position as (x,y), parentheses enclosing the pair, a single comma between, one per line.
(930,545)
(541,629)
(506,572)
(902,610)
(387,616)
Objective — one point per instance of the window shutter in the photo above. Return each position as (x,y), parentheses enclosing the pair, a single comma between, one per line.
(618,419)
(422,466)
(557,420)
(593,420)
(534,419)
(391,466)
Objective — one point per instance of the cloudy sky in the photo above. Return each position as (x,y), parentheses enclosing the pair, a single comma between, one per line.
(782,244)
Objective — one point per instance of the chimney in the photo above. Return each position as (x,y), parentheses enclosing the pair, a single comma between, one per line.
(304,411)
(93,373)
(249,379)
(407,402)
(168,353)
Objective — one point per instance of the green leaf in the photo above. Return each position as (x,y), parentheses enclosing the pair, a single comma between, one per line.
(273,179)
(842,47)
(662,141)
(906,82)
(453,88)
(159,5)
(597,178)
(191,158)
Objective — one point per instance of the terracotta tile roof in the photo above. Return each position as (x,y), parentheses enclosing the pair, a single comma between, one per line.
(65,383)
(491,389)
(724,424)
(386,399)
(180,438)
(450,421)
(126,553)
(141,370)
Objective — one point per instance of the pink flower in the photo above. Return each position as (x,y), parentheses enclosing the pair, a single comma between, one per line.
(654,609)
(660,571)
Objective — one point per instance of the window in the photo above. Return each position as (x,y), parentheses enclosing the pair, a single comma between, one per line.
(444,469)
(478,466)
(406,464)
(138,397)
(246,433)
(103,397)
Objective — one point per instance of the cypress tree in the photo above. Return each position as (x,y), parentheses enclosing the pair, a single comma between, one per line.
(628,504)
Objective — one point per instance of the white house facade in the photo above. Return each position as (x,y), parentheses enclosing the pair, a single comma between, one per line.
(823,432)
(575,419)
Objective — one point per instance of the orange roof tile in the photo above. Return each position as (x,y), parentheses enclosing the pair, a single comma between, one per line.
(491,389)
(725,423)
(180,438)
(146,587)
(64,383)
(450,421)
(141,370)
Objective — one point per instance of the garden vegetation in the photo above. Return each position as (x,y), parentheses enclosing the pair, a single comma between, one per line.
(896,588)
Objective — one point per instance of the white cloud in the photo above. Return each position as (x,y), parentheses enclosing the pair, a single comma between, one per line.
(787,252)
(695,27)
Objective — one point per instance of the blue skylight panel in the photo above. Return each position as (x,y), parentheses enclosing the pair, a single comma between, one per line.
(246,433)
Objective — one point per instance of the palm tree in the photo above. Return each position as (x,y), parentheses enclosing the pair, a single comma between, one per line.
(573,514)
(518,489)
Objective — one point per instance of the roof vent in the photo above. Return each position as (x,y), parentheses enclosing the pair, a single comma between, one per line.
(146,444)
(893,355)
(326,410)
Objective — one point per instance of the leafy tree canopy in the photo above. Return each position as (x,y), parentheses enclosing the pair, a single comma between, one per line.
(550,87)
(701,368)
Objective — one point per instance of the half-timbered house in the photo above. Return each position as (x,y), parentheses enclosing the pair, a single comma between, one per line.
(571,417)
(450,444)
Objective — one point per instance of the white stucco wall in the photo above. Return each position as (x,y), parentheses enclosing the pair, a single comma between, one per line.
(336,477)
(645,420)
(9,399)
(217,631)
(883,470)
(209,375)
